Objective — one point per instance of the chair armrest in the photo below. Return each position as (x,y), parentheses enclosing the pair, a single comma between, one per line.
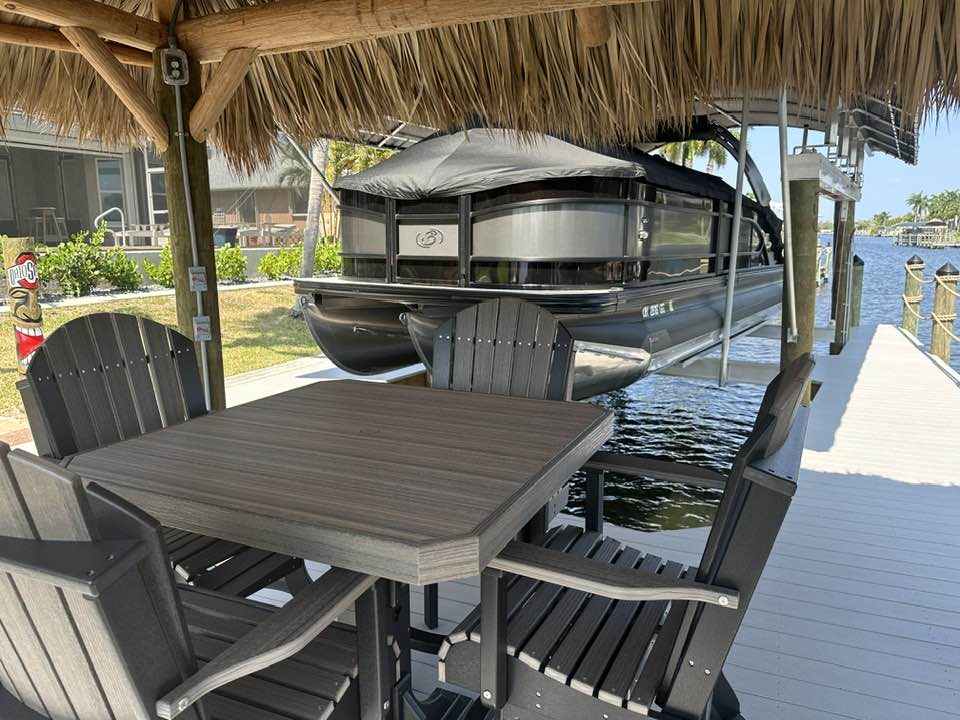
(656,469)
(284,634)
(603,579)
(78,566)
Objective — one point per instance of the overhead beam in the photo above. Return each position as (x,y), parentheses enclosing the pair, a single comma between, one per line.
(105,20)
(290,25)
(98,54)
(594,25)
(28,36)
(218,91)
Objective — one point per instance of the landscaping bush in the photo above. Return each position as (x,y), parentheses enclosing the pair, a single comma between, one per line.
(328,256)
(283,263)
(231,264)
(162,272)
(120,271)
(75,265)
(286,261)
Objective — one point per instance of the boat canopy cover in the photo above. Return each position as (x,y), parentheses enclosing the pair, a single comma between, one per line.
(469,162)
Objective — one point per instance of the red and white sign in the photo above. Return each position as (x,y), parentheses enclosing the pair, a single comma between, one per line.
(23,273)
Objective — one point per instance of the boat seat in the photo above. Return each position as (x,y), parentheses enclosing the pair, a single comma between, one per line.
(592,645)
(317,683)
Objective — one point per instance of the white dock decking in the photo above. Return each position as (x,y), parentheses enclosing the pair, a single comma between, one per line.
(858,612)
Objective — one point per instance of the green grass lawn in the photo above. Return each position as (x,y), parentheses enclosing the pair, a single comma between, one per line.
(257,332)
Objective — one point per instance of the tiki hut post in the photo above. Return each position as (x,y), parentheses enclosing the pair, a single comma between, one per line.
(190,304)
(804,198)
(842,260)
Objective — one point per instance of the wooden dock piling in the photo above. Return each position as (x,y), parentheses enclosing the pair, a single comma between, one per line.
(912,287)
(944,311)
(856,290)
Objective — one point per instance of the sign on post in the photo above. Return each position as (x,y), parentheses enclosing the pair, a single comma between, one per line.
(23,287)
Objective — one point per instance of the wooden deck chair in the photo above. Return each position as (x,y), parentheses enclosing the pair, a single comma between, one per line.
(584,627)
(107,377)
(503,346)
(93,625)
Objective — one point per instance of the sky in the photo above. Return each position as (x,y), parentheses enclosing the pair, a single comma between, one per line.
(887,181)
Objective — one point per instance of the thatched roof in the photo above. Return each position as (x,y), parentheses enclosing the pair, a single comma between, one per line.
(533,73)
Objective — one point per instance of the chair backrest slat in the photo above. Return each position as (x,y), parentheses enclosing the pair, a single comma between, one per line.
(108,377)
(90,373)
(137,366)
(157,343)
(504,346)
(465,330)
(114,374)
(65,654)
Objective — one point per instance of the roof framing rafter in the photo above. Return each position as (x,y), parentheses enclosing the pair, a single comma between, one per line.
(105,20)
(29,36)
(291,25)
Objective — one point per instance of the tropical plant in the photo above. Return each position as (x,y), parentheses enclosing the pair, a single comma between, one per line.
(328,258)
(119,270)
(231,263)
(285,262)
(162,272)
(917,202)
(684,153)
(311,230)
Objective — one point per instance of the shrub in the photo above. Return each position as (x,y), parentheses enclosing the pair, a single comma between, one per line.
(75,265)
(231,263)
(162,272)
(120,271)
(283,263)
(328,256)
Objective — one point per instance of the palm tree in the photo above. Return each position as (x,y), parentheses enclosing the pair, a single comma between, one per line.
(684,153)
(311,229)
(918,203)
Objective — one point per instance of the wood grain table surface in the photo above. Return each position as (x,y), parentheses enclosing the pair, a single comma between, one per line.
(407,483)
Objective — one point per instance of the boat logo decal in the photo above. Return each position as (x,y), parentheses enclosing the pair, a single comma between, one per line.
(657,309)
(429,238)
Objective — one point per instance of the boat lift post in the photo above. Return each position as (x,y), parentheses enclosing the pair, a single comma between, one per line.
(789,286)
(734,248)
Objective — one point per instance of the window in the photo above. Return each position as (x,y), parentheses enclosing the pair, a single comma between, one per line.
(158,195)
(110,183)
(299,200)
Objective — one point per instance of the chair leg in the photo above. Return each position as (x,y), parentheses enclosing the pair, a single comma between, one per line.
(298,579)
(724,704)
(493,640)
(431,609)
(594,501)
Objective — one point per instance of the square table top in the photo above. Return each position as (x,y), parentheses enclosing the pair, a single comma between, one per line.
(407,483)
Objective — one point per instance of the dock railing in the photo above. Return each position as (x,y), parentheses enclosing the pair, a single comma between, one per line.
(944,312)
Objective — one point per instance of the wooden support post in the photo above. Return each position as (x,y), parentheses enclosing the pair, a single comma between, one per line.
(105,20)
(180,242)
(838,234)
(843,257)
(912,288)
(220,88)
(99,55)
(944,311)
(856,290)
(804,201)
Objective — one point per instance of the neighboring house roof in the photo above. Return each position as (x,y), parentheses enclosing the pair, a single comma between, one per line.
(222,177)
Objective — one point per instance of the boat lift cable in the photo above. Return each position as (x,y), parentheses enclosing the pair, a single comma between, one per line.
(188,198)
(791,293)
(734,248)
(334,195)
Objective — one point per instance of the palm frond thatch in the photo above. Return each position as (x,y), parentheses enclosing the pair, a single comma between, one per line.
(533,74)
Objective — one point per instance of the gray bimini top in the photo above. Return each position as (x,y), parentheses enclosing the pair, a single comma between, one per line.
(468,162)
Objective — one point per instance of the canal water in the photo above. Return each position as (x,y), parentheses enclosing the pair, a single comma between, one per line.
(697,422)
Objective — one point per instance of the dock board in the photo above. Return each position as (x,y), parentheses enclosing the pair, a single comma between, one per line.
(858,612)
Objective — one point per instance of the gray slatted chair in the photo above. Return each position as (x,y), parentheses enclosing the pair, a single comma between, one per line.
(107,377)
(510,347)
(585,627)
(94,627)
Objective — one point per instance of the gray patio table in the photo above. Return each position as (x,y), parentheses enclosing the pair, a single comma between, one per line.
(409,484)
(405,483)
